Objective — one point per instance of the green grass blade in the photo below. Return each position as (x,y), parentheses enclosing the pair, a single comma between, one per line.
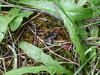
(83,65)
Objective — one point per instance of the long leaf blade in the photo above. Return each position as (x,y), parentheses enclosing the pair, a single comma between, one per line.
(38,55)
(37,69)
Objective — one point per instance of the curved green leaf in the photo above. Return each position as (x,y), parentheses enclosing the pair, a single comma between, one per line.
(38,55)
(17,21)
(37,69)
(6,19)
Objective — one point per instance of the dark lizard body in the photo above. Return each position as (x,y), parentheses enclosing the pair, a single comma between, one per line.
(50,38)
